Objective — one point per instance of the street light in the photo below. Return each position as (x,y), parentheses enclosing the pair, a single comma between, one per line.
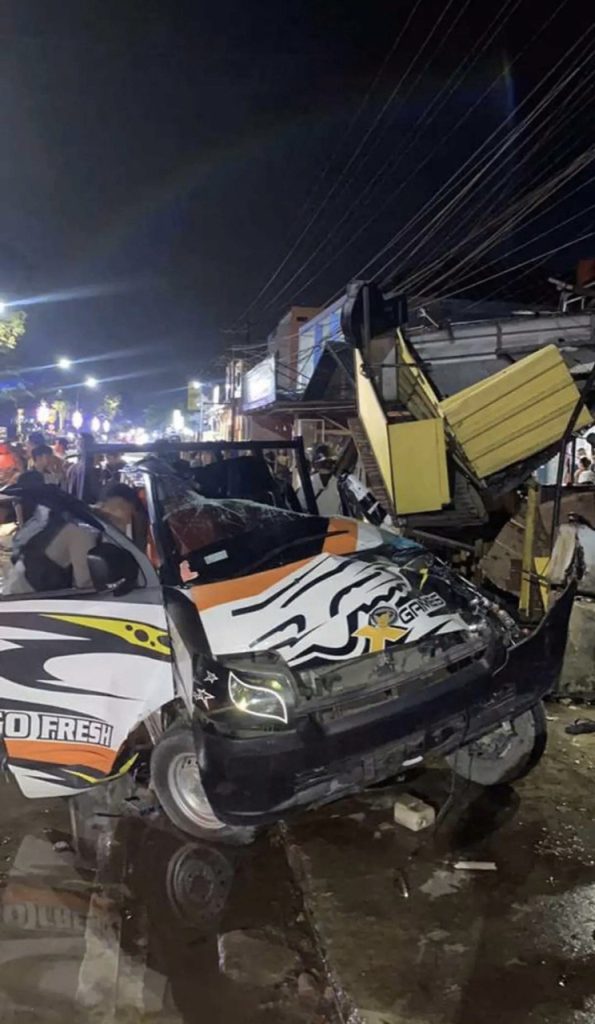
(64,363)
(90,382)
(77,419)
(95,424)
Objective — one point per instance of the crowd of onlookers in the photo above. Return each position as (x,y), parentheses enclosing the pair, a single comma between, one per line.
(43,462)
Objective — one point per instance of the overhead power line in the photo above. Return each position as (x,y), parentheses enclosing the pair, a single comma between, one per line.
(447,89)
(556,124)
(492,32)
(517,266)
(326,199)
(518,213)
(523,245)
(475,158)
(471,172)
(469,225)
(504,288)
(404,95)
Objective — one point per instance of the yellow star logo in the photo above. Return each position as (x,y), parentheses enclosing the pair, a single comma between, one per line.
(381,633)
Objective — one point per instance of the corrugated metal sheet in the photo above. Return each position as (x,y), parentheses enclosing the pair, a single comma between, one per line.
(515,413)
(464,353)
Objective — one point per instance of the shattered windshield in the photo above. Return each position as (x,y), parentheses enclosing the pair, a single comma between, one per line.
(218,539)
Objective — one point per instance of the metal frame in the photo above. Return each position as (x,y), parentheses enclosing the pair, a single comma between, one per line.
(162,448)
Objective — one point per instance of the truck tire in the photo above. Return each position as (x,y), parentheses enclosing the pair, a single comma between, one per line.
(505,755)
(175,778)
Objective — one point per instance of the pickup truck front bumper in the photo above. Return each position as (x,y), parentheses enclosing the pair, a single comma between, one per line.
(253,781)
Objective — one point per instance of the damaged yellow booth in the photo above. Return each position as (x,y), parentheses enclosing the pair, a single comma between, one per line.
(483,430)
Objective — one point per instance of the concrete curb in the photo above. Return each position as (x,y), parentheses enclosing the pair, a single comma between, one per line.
(347,1011)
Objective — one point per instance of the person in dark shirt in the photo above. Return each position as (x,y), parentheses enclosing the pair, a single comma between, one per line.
(84,475)
(112,471)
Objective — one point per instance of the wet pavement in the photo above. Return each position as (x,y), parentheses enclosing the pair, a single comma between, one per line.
(339,916)
(122,921)
(410,938)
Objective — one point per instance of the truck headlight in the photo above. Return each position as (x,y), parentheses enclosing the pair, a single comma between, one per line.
(246,693)
(263,698)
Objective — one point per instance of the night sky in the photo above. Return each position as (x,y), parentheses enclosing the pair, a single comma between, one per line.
(166,155)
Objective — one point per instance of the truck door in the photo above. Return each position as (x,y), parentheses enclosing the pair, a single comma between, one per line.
(78,672)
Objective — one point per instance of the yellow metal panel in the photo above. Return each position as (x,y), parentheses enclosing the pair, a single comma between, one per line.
(541,566)
(414,390)
(374,421)
(418,458)
(531,516)
(515,413)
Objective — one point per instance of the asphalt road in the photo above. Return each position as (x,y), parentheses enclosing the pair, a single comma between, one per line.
(122,920)
(410,939)
(340,916)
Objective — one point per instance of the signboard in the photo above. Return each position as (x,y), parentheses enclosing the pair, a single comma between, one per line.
(313,337)
(259,387)
(194,396)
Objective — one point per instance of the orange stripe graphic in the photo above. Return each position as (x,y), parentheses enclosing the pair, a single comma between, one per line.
(89,755)
(345,540)
(209,595)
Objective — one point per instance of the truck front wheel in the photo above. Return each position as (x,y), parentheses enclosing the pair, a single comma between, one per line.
(175,778)
(506,754)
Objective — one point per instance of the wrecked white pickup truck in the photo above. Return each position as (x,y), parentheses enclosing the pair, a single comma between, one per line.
(263,660)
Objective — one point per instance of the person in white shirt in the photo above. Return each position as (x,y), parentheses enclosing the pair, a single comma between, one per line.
(324,485)
(585,474)
(49,550)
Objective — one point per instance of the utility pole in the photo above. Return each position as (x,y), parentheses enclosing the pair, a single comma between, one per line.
(201,415)
(234,403)
(246,331)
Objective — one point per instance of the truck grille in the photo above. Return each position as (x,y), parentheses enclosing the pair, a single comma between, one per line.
(366,682)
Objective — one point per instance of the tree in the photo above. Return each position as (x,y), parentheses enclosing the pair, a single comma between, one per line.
(111,405)
(12,327)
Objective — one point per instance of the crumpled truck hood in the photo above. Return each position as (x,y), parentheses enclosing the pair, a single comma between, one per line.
(326,608)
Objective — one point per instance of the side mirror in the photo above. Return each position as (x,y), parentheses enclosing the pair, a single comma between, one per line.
(112,569)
